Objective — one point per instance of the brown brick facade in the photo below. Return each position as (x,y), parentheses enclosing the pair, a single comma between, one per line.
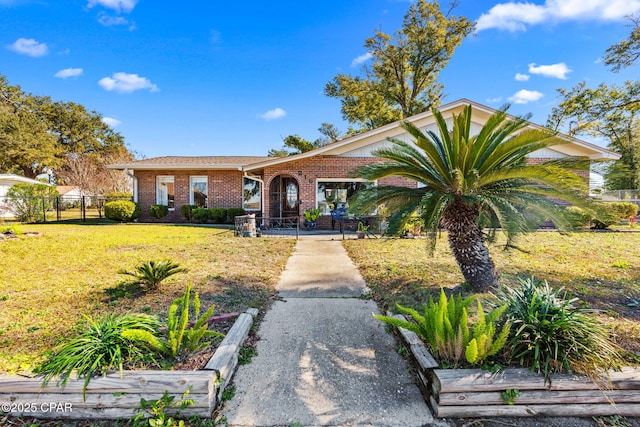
(224,189)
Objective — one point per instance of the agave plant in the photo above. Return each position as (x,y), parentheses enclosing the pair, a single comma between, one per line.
(151,273)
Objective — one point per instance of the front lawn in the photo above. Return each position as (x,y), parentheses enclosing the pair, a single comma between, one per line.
(602,269)
(48,281)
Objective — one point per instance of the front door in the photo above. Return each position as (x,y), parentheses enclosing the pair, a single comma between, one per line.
(284,197)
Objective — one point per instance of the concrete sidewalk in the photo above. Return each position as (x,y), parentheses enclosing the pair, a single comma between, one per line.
(323,360)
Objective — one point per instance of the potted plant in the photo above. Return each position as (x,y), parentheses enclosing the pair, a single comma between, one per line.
(362,230)
(311,216)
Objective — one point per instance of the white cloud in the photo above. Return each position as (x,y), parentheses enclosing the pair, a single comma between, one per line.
(111,121)
(29,47)
(516,16)
(524,96)
(68,72)
(127,83)
(522,77)
(558,71)
(361,59)
(494,100)
(109,21)
(276,113)
(117,5)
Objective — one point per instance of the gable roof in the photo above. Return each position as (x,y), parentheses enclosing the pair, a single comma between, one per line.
(573,146)
(9,177)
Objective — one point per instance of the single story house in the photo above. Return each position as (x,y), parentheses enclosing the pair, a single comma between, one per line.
(6,182)
(278,187)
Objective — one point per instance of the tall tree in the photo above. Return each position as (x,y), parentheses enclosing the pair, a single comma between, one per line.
(466,178)
(611,112)
(26,145)
(402,81)
(625,53)
(37,133)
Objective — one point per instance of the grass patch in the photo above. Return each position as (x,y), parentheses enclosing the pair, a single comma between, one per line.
(602,269)
(47,282)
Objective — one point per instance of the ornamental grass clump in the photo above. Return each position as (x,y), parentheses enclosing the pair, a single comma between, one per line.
(103,344)
(551,334)
(446,328)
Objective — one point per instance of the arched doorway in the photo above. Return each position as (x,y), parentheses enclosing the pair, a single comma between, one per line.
(284,197)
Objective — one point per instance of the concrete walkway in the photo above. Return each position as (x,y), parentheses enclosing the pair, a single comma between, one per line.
(323,360)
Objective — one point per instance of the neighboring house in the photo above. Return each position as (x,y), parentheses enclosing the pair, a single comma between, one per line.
(6,182)
(286,186)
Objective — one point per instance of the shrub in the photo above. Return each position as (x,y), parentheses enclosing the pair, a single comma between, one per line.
(151,273)
(99,347)
(578,217)
(446,329)
(624,210)
(232,213)
(117,195)
(612,212)
(120,210)
(29,202)
(158,211)
(550,334)
(200,214)
(187,212)
(218,215)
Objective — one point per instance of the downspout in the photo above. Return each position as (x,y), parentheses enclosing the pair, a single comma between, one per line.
(135,184)
(261,194)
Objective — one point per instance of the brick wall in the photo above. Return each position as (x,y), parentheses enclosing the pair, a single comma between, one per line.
(224,189)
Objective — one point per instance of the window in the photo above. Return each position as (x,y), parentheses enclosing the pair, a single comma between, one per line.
(198,191)
(251,194)
(165,194)
(332,192)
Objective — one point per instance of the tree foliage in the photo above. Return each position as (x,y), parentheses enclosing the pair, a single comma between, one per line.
(626,52)
(295,144)
(610,112)
(37,133)
(402,80)
(471,180)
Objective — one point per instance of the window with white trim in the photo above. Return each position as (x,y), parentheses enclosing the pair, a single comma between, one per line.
(251,194)
(198,191)
(332,191)
(165,191)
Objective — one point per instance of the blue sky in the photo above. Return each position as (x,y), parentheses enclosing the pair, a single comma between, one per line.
(233,78)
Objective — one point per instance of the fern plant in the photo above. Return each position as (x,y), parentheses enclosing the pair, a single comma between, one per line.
(151,273)
(182,335)
(445,327)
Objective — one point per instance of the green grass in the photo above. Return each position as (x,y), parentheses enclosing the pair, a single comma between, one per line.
(47,282)
(602,269)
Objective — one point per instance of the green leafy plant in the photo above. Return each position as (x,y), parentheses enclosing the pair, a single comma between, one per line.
(120,210)
(551,334)
(187,212)
(153,413)
(103,344)
(311,214)
(182,335)
(234,212)
(159,212)
(510,395)
(29,202)
(362,228)
(446,328)
(151,273)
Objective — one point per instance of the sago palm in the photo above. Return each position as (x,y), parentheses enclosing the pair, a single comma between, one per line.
(467,180)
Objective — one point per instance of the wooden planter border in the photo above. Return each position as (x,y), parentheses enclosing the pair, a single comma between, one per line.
(477,393)
(114,396)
